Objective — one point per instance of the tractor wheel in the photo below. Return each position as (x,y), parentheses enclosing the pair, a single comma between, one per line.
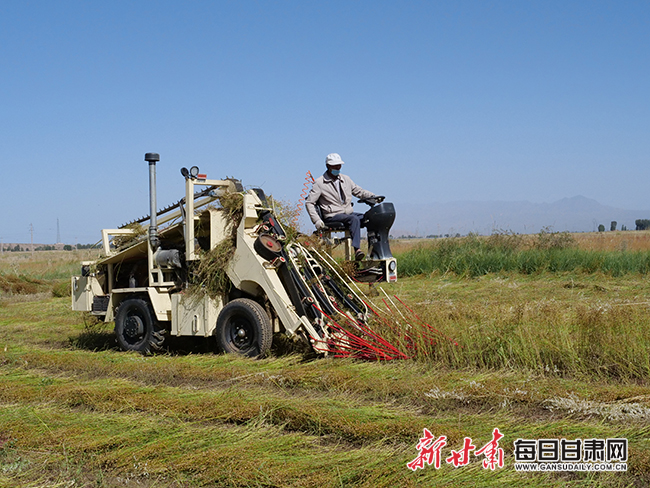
(244,328)
(136,327)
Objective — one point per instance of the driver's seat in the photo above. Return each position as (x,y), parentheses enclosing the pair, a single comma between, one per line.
(331,227)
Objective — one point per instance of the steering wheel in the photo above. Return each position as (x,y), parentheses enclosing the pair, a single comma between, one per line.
(372,201)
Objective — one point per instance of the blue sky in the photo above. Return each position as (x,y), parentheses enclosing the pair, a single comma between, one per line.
(425,101)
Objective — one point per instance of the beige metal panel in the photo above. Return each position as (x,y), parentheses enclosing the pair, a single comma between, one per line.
(158,297)
(251,205)
(111,275)
(161,302)
(84,289)
(126,291)
(218,227)
(194,316)
(191,205)
(138,250)
(117,296)
(106,233)
(248,266)
(243,270)
(113,302)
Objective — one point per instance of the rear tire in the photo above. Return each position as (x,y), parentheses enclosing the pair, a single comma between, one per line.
(136,327)
(244,328)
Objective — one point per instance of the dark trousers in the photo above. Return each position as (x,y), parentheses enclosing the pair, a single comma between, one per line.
(353,223)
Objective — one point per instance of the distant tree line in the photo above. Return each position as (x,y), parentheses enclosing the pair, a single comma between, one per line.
(612,226)
(48,247)
(45,248)
(88,246)
(642,224)
(430,236)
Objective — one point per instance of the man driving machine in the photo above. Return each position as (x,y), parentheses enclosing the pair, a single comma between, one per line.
(330,201)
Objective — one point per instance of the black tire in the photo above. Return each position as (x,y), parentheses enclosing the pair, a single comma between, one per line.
(136,327)
(244,328)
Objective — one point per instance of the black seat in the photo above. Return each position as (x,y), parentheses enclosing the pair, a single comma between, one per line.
(337,226)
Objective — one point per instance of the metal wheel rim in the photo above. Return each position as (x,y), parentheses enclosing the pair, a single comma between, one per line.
(241,333)
(134,327)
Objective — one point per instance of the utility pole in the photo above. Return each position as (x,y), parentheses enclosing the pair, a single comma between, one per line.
(31,231)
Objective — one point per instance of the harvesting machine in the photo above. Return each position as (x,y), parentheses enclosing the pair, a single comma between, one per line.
(219,264)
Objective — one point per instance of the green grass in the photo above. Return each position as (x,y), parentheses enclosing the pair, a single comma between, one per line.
(45,265)
(106,418)
(560,354)
(44,272)
(474,256)
(568,323)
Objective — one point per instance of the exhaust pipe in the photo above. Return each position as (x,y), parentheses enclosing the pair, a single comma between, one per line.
(163,259)
(154,242)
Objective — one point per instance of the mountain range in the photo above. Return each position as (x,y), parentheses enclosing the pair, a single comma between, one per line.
(575,214)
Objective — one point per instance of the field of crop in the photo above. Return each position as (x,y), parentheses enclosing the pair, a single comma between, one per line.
(539,350)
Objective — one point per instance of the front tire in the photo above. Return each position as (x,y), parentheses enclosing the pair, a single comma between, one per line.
(136,327)
(244,328)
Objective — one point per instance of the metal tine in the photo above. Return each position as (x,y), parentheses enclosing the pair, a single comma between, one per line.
(308,259)
(346,282)
(395,306)
(171,206)
(293,262)
(351,283)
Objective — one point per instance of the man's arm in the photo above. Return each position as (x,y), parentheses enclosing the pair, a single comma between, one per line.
(310,205)
(359,192)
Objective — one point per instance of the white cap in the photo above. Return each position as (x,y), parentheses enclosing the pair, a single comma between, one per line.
(333,159)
